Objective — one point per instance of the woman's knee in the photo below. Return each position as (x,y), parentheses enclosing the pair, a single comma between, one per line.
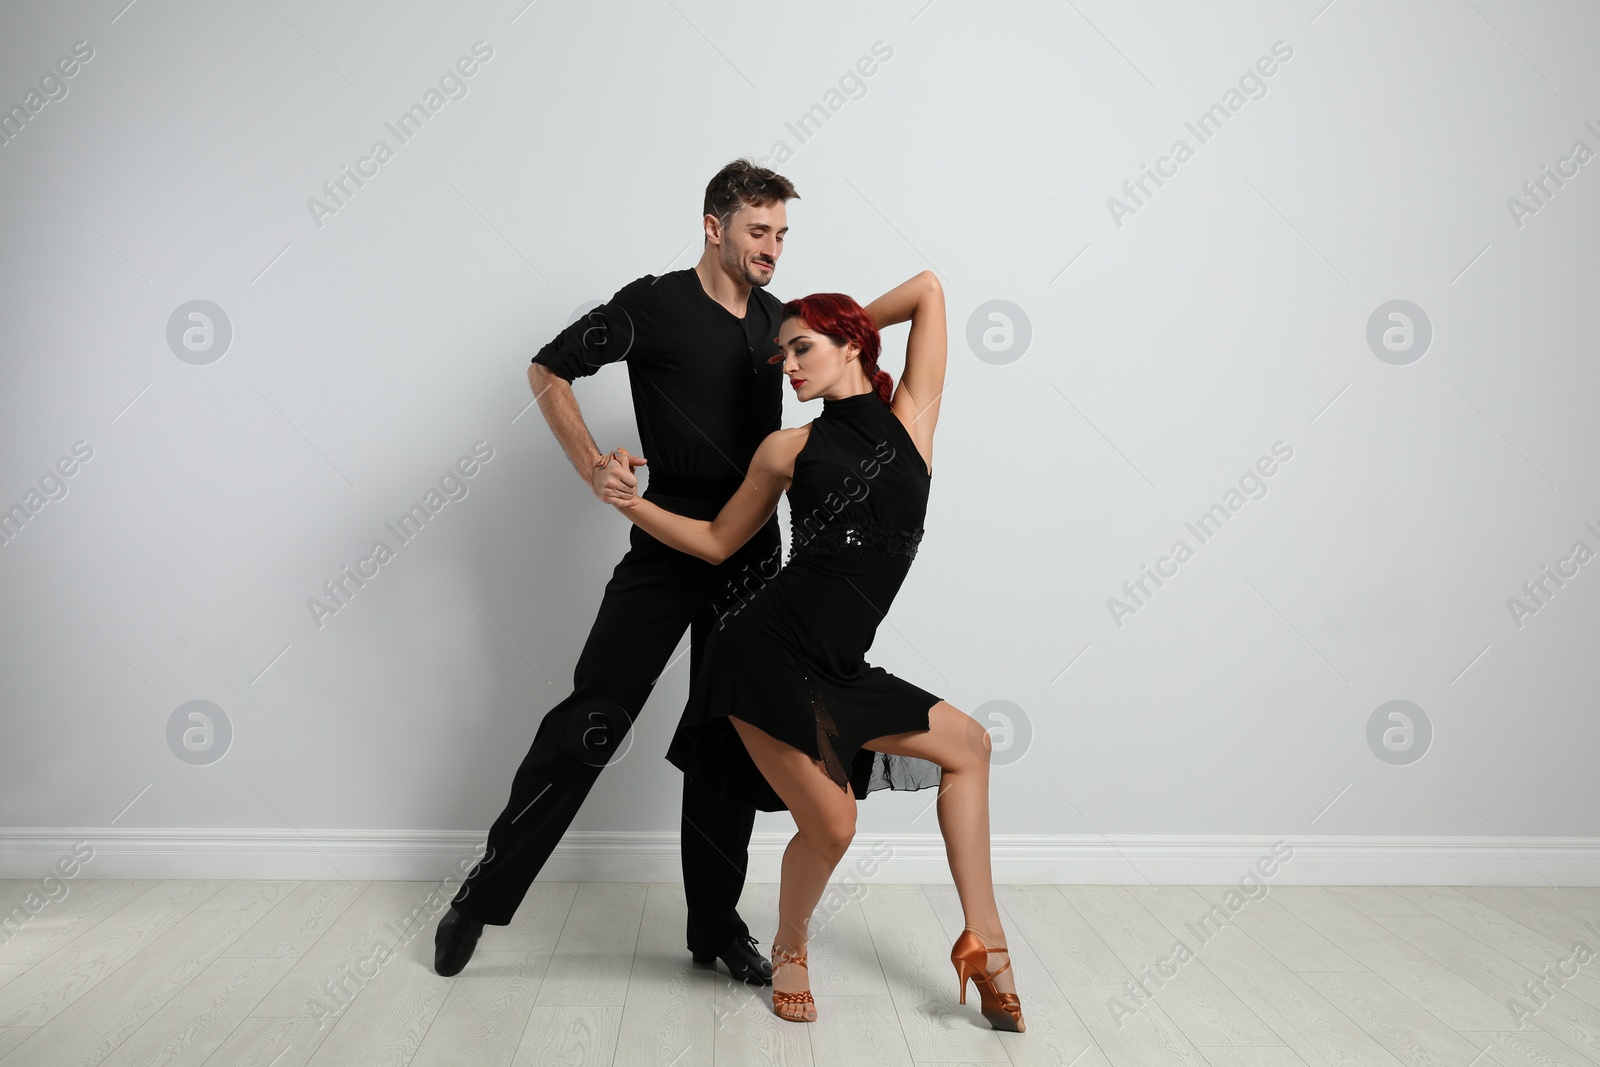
(977,744)
(832,833)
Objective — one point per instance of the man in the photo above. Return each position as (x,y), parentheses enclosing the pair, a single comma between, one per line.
(696,342)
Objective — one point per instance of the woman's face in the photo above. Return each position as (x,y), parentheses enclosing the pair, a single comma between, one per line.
(815,365)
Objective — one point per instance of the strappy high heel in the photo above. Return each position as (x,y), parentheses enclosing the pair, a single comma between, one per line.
(800,997)
(971,958)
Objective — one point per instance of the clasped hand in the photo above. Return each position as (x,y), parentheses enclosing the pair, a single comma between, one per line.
(615,483)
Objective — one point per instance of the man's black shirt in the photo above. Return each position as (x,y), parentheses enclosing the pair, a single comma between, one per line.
(704,395)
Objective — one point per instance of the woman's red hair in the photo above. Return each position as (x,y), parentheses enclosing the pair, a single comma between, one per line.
(842,320)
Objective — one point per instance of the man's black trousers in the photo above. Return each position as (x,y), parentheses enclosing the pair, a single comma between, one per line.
(654,593)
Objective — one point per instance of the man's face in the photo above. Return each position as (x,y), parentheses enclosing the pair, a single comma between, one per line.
(753,240)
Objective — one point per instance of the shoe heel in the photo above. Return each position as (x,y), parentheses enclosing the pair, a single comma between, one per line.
(963,972)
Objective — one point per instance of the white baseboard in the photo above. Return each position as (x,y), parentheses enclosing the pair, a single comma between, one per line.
(596,856)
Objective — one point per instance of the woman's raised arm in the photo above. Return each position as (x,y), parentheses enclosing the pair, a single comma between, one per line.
(916,397)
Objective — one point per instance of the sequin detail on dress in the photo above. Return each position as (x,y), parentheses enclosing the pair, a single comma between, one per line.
(865,538)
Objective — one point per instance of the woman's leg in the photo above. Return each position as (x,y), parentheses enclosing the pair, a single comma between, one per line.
(960,745)
(825,822)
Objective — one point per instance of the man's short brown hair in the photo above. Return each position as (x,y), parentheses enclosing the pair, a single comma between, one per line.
(742,182)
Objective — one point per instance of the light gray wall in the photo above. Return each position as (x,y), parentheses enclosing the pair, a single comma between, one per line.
(1170,347)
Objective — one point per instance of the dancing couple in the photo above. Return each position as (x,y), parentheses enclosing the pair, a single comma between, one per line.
(784,712)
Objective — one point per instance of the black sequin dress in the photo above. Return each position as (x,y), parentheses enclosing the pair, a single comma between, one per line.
(787,653)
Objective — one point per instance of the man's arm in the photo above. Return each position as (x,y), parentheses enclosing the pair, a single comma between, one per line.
(560,410)
(605,335)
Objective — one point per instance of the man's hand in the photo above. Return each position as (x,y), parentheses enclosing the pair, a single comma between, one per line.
(615,483)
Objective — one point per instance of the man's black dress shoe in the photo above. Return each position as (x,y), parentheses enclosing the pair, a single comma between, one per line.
(453,942)
(745,964)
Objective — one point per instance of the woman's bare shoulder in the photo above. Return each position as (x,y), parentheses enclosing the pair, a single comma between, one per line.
(790,439)
(782,446)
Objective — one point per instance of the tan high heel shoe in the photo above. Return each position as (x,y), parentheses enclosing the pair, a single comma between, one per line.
(971,958)
(800,999)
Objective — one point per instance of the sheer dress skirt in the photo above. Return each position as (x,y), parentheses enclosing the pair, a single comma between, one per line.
(789,658)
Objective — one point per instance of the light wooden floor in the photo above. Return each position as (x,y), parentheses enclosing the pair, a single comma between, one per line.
(188,973)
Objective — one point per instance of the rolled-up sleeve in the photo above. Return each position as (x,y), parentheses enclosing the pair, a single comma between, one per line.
(607,334)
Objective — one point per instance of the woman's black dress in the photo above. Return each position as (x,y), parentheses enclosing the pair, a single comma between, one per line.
(789,656)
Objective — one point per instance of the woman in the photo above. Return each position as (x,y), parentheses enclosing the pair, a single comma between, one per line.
(786,667)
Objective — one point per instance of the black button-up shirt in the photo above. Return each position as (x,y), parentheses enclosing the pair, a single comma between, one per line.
(704,395)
